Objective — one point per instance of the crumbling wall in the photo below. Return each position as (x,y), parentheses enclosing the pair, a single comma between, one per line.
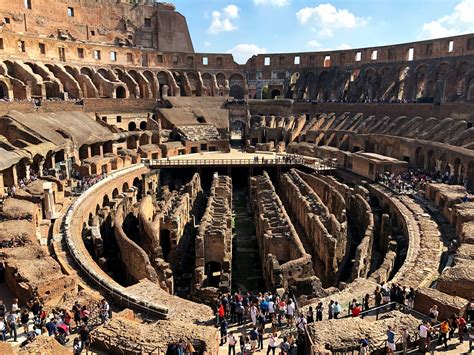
(133,256)
(325,236)
(214,240)
(282,254)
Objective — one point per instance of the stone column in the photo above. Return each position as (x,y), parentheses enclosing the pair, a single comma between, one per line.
(48,201)
(2,186)
(41,168)
(27,171)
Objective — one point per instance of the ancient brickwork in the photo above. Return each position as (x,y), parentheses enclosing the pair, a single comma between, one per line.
(282,263)
(214,239)
(325,235)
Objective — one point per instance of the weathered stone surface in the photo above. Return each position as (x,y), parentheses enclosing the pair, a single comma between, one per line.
(458,280)
(447,304)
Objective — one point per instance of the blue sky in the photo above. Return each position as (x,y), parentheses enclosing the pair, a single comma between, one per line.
(246,27)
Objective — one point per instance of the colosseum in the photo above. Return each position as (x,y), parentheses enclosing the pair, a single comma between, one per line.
(315,202)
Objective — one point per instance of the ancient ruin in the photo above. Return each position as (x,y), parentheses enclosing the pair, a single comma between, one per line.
(136,170)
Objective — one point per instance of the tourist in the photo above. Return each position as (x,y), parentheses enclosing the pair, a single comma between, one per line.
(220,313)
(51,327)
(3,329)
(253,314)
(453,325)
(271,344)
(239,311)
(253,335)
(290,313)
(12,321)
(310,315)
(271,308)
(356,310)
(410,298)
(281,312)
(232,308)
(104,310)
(301,323)
(242,344)
(470,310)
(261,331)
(3,309)
(319,312)
(189,350)
(390,340)
(223,327)
(366,302)
(433,314)
(285,346)
(331,310)
(471,336)
(85,314)
(76,310)
(231,341)
(36,306)
(443,333)
(337,309)
(76,346)
(364,345)
(84,335)
(24,319)
(405,336)
(15,305)
(378,296)
(461,323)
(423,329)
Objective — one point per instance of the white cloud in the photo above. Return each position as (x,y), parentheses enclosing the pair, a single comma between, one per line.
(222,21)
(277,3)
(243,52)
(313,44)
(461,20)
(344,46)
(207,44)
(326,17)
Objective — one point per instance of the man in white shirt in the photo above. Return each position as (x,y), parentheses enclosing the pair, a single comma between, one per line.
(271,308)
(423,332)
(271,344)
(290,313)
(301,323)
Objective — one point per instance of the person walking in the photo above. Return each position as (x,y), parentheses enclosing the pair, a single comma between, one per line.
(443,333)
(271,344)
(223,327)
(390,340)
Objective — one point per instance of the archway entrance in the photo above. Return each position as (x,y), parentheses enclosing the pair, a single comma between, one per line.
(120,92)
(3,91)
(275,93)
(165,244)
(237,92)
(213,273)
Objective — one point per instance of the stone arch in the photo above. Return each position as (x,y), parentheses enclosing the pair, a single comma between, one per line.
(115,193)
(194,83)
(163,80)
(419,158)
(180,82)
(275,93)
(152,81)
(132,126)
(208,83)
(470,176)
(237,86)
(155,138)
(4,91)
(421,76)
(83,151)
(431,160)
(125,187)
(87,71)
(143,125)
(324,90)
(457,169)
(120,92)
(105,201)
(443,163)
(142,85)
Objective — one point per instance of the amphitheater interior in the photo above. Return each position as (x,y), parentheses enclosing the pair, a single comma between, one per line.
(134,169)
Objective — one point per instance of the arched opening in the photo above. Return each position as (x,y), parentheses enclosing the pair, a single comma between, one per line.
(470,177)
(236,85)
(165,244)
(207,82)
(236,92)
(144,139)
(213,270)
(419,158)
(275,93)
(105,201)
(155,138)
(3,91)
(125,187)
(431,160)
(143,125)
(456,172)
(162,81)
(132,126)
(115,193)
(137,183)
(120,92)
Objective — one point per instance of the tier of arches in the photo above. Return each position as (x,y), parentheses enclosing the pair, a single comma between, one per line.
(35,80)
(440,82)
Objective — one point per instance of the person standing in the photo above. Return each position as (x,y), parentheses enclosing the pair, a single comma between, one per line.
(290,313)
(231,341)
(331,310)
(253,314)
(271,344)
(3,329)
(337,309)
(319,312)
(405,340)
(461,328)
(390,340)
(12,324)
(443,333)
(223,327)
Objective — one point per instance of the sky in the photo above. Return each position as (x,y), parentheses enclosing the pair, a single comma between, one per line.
(248,27)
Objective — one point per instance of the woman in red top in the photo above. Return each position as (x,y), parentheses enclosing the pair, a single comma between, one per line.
(221,312)
(356,310)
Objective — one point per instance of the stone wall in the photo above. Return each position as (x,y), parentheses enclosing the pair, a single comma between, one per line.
(447,305)
(325,236)
(214,239)
(284,259)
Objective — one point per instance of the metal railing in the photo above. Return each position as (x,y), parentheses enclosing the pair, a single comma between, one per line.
(279,161)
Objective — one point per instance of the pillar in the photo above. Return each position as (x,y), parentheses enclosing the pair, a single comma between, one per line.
(27,171)
(41,168)
(2,187)
(48,201)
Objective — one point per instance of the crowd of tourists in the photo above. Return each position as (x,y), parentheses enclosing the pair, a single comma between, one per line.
(414,180)
(87,181)
(33,320)
(362,100)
